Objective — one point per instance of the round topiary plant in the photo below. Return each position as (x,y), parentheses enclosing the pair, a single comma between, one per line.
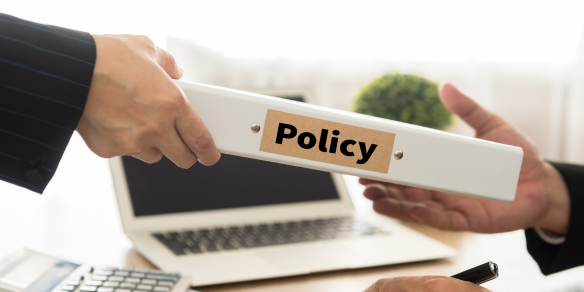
(405,98)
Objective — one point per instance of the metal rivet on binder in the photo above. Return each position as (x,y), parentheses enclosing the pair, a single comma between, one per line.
(398,154)
(255,128)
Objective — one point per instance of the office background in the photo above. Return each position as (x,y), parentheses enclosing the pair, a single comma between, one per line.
(522,59)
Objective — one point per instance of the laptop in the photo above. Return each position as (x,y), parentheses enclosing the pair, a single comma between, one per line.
(244,219)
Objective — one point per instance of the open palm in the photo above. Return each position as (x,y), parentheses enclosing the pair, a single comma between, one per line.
(455,212)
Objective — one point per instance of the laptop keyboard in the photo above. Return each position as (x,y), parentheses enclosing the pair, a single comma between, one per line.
(250,236)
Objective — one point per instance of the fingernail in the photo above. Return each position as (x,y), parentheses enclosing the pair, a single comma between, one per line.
(181,69)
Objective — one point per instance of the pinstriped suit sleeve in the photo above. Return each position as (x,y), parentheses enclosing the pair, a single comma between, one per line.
(45,75)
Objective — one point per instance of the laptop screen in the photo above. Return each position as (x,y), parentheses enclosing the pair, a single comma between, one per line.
(233,182)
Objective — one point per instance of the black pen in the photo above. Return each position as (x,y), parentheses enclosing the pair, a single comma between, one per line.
(479,274)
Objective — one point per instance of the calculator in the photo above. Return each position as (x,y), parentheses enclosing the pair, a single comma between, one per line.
(29,271)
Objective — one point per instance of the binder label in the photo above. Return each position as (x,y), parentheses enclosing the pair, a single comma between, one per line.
(326,141)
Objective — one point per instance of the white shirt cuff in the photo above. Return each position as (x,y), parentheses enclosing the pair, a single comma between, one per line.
(550,237)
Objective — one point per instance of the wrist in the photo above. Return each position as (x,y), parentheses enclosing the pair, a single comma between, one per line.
(556,217)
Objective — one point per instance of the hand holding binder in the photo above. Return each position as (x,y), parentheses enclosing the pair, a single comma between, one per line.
(134,108)
(541,198)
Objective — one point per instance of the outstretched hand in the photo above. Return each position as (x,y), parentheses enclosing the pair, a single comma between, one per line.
(541,199)
(134,108)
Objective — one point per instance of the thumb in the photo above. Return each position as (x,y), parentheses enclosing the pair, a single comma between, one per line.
(168,63)
(468,110)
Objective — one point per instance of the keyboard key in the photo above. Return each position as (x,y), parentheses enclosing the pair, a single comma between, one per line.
(105,289)
(195,249)
(68,288)
(110,284)
(210,247)
(161,289)
(93,283)
(144,287)
(132,280)
(148,281)
(103,273)
(73,283)
(178,251)
(228,246)
(99,278)
(121,273)
(123,290)
(127,285)
(162,277)
(165,283)
(88,288)
(138,275)
(116,279)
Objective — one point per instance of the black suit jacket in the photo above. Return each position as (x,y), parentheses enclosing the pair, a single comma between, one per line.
(555,258)
(45,75)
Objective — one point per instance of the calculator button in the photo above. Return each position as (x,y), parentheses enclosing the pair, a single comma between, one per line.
(88,288)
(161,277)
(148,281)
(165,283)
(132,280)
(116,278)
(105,289)
(110,284)
(67,288)
(121,273)
(123,290)
(93,283)
(127,285)
(161,289)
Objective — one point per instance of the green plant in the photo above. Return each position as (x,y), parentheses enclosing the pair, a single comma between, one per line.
(405,98)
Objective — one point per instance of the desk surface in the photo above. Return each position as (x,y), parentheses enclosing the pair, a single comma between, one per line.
(77,219)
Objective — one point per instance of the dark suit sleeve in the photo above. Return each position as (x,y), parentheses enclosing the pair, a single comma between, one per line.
(45,75)
(556,258)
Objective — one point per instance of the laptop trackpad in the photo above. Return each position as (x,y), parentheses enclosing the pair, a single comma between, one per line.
(309,259)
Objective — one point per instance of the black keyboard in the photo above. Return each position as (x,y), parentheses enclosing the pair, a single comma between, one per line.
(250,236)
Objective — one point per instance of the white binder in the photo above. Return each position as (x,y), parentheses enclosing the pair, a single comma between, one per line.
(321,138)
